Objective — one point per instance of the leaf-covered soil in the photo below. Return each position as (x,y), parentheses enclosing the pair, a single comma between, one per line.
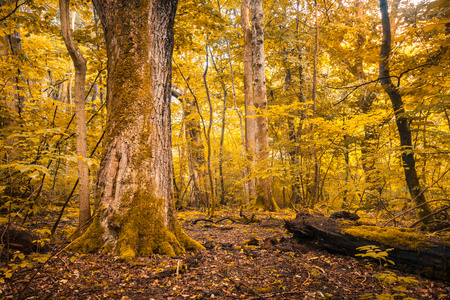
(241,261)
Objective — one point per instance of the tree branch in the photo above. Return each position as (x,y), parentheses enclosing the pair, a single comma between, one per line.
(13,11)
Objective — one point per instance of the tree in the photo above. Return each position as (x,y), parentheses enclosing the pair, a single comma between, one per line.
(315,187)
(195,150)
(212,206)
(246,200)
(355,63)
(135,206)
(10,46)
(263,183)
(404,131)
(250,121)
(80,115)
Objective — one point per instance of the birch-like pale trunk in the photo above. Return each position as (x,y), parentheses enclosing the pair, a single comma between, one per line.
(263,183)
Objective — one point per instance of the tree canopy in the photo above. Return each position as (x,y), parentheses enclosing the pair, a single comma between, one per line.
(253,108)
(332,145)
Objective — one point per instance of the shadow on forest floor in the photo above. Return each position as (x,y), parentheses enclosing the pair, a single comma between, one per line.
(254,261)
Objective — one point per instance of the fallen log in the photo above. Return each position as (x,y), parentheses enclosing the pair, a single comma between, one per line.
(412,252)
(17,238)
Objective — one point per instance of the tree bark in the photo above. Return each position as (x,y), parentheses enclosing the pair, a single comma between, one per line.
(263,183)
(80,115)
(136,212)
(409,163)
(250,121)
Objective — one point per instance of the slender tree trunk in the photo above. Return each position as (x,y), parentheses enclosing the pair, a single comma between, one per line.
(196,148)
(264,183)
(69,91)
(365,99)
(294,139)
(222,138)
(409,163)
(12,93)
(80,115)
(245,173)
(315,188)
(212,208)
(11,101)
(346,153)
(196,153)
(136,212)
(250,120)
(298,191)
(222,130)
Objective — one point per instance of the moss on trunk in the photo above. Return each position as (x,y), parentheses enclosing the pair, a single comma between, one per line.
(91,240)
(140,231)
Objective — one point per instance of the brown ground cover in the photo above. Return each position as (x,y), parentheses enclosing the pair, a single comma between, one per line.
(241,261)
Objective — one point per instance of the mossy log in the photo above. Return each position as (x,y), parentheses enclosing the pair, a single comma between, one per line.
(412,252)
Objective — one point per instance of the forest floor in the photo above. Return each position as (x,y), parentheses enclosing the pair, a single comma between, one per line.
(241,261)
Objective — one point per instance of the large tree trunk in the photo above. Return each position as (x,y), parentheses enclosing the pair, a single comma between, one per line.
(263,183)
(136,213)
(250,121)
(80,115)
(409,163)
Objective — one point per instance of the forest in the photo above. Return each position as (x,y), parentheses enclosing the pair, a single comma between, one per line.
(250,149)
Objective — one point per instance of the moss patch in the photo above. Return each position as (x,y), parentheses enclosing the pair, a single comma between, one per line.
(397,237)
(143,231)
(188,243)
(90,241)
